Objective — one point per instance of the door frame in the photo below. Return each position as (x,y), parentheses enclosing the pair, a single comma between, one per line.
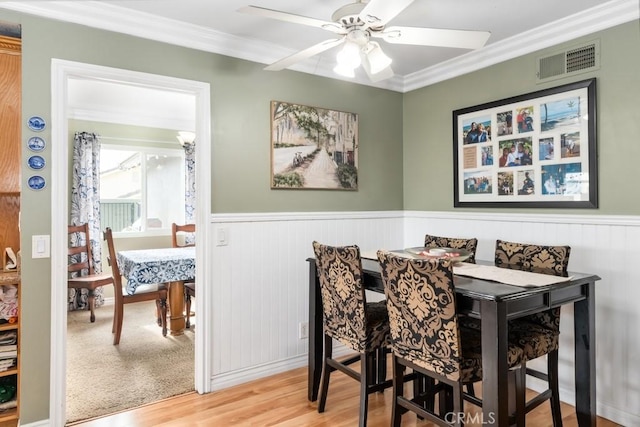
(61,72)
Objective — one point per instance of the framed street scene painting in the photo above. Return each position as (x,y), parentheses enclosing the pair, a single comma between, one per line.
(535,150)
(313,148)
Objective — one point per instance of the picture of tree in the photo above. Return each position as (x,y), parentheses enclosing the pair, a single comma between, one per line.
(313,148)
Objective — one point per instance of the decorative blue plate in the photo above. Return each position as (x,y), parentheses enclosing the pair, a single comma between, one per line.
(36,123)
(36,143)
(36,162)
(36,182)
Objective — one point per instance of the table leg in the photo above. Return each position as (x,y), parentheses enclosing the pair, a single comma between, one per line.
(315,334)
(585,358)
(495,369)
(176,306)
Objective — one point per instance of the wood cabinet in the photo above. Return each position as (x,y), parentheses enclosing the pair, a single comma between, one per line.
(10,108)
(9,347)
(10,159)
(10,181)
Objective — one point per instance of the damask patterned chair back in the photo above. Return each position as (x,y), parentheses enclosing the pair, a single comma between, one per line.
(343,296)
(422,312)
(536,258)
(452,242)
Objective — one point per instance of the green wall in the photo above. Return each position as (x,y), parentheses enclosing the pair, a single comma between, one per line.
(427,143)
(240,101)
(405,140)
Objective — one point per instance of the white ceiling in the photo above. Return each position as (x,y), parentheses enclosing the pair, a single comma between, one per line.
(517,27)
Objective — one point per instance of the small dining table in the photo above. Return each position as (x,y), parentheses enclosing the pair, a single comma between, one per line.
(172,266)
(495,303)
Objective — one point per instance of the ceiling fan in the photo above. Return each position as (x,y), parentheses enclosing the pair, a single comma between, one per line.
(356,25)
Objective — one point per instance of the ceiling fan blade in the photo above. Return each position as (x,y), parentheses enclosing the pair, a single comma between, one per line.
(463,39)
(293,18)
(304,54)
(379,12)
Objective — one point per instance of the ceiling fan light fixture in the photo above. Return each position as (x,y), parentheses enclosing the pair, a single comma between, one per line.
(344,70)
(377,59)
(349,56)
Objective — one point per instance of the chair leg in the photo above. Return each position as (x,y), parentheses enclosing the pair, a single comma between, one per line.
(398,388)
(446,400)
(91,299)
(159,312)
(457,403)
(163,311)
(115,316)
(117,324)
(187,305)
(326,373)
(552,373)
(366,370)
(521,392)
(382,366)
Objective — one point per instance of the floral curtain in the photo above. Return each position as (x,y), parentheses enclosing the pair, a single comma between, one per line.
(190,190)
(85,207)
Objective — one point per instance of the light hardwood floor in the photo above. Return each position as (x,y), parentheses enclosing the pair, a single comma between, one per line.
(281,400)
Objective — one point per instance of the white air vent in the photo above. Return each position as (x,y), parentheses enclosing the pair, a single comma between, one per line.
(572,61)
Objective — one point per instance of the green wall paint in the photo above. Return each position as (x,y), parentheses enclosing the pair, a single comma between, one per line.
(240,101)
(405,141)
(427,143)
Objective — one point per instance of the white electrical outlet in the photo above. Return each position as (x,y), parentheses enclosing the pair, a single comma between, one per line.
(303,330)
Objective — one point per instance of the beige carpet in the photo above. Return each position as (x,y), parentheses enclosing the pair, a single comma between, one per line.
(145,367)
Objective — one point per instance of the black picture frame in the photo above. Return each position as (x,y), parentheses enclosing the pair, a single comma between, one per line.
(536,150)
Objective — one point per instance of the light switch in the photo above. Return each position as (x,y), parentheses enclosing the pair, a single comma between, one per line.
(222,236)
(41,246)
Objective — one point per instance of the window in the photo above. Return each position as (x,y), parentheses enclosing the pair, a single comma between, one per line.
(141,188)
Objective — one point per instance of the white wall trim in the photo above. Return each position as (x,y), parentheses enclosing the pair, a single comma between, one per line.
(241,376)
(303,216)
(630,220)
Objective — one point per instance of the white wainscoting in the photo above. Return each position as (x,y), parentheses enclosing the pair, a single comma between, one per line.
(260,286)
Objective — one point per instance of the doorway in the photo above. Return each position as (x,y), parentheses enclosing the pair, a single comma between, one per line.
(62,73)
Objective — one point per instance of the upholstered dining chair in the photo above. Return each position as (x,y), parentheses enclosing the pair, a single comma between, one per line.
(81,273)
(453,242)
(537,334)
(470,245)
(188,230)
(155,292)
(426,335)
(348,318)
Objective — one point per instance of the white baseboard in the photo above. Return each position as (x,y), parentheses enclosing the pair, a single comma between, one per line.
(230,379)
(603,410)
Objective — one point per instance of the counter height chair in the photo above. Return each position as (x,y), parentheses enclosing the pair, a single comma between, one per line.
(188,231)
(453,242)
(348,318)
(537,334)
(155,292)
(458,243)
(81,273)
(426,336)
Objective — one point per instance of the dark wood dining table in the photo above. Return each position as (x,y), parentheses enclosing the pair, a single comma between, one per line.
(495,303)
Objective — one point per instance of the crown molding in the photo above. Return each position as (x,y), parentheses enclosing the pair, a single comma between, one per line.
(149,26)
(598,18)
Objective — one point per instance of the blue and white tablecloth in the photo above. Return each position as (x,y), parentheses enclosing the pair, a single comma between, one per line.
(147,266)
